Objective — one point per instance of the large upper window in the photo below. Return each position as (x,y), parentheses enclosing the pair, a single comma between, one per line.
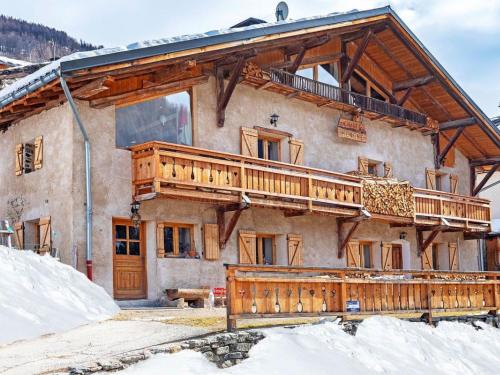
(163,119)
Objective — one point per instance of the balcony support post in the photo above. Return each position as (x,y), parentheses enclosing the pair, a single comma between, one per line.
(357,56)
(224,94)
(485,179)
(450,144)
(342,243)
(226,231)
(421,244)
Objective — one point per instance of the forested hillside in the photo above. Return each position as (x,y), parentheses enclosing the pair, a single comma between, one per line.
(35,42)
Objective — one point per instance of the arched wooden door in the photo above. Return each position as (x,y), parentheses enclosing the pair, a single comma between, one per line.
(129,260)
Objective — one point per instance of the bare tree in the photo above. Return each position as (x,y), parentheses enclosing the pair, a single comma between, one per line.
(15,208)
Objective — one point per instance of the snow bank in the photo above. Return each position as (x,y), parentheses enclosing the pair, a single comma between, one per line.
(40,295)
(382,345)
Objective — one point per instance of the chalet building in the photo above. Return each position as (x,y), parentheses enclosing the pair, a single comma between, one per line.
(335,141)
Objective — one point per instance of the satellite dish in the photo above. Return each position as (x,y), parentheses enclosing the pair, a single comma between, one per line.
(281,11)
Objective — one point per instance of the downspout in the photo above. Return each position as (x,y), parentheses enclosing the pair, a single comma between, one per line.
(88,190)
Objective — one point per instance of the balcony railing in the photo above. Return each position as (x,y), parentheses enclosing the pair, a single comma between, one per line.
(186,172)
(337,94)
(286,292)
(195,173)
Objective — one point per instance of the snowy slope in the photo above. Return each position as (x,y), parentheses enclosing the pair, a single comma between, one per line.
(40,295)
(382,345)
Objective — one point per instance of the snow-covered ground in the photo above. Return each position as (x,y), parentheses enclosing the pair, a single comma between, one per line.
(40,295)
(382,345)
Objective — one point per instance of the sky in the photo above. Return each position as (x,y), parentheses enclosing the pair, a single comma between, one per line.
(464,35)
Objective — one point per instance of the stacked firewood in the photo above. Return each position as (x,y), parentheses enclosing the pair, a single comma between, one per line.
(388,197)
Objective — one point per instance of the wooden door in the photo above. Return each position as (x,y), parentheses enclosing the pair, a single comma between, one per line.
(397,257)
(129,260)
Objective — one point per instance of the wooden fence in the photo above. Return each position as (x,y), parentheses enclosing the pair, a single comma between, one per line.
(285,292)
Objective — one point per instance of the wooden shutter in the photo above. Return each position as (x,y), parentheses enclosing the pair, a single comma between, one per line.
(45,234)
(296,151)
(430,179)
(427,258)
(38,152)
(386,256)
(388,170)
(353,254)
(19,234)
(295,250)
(19,159)
(247,243)
(362,165)
(160,240)
(211,241)
(453,251)
(453,183)
(249,142)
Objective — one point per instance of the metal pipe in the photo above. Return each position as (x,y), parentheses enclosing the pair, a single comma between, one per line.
(88,189)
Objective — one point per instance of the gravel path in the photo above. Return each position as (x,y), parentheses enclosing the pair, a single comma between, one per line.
(131,330)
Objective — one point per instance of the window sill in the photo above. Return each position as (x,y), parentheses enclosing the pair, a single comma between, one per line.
(197,257)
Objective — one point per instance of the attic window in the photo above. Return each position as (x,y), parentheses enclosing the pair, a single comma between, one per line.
(29,156)
(166,119)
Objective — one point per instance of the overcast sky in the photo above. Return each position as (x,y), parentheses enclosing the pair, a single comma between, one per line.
(464,35)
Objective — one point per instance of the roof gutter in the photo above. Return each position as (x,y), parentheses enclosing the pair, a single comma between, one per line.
(88,189)
(29,88)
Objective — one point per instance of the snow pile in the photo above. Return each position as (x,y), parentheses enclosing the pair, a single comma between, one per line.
(40,295)
(382,345)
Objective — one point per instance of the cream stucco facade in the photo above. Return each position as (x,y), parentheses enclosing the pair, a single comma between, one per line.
(57,190)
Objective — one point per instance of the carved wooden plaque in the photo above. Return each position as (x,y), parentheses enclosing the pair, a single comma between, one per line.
(351,129)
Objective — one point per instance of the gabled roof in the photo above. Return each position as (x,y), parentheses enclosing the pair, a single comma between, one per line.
(107,59)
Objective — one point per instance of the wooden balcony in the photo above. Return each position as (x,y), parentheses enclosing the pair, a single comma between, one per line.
(323,94)
(287,292)
(192,173)
(184,172)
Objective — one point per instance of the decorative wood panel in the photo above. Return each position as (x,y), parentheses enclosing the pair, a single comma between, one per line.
(430,179)
(353,255)
(38,160)
(386,256)
(296,151)
(453,184)
(44,227)
(295,249)
(427,258)
(247,243)
(363,165)
(19,234)
(453,253)
(19,159)
(249,139)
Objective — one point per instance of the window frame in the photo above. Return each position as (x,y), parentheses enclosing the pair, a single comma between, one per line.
(362,253)
(192,102)
(265,142)
(259,243)
(175,238)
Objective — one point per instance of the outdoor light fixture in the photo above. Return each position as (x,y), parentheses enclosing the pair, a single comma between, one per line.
(274,119)
(402,235)
(134,213)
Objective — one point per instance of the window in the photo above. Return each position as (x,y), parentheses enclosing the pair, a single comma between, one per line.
(435,256)
(127,239)
(29,156)
(265,249)
(373,168)
(176,240)
(269,148)
(163,119)
(366,254)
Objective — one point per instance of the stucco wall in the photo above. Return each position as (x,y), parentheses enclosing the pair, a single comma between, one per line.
(47,191)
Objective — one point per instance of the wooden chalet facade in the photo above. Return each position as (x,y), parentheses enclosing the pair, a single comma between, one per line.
(336,141)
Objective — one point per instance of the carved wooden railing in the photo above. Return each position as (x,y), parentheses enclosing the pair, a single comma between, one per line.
(437,204)
(347,97)
(283,291)
(215,176)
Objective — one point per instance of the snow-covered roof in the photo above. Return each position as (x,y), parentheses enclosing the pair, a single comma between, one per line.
(177,43)
(4,60)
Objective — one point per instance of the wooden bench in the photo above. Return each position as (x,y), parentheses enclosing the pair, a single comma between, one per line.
(194,297)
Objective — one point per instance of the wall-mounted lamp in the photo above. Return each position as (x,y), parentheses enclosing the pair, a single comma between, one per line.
(402,235)
(274,119)
(134,213)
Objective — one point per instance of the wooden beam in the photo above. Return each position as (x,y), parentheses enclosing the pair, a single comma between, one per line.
(224,94)
(295,213)
(92,88)
(436,145)
(485,161)
(142,93)
(472,179)
(413,82)
(378,85)
(449,145)
(455,124)
(485,179)
(421,244)
(401,102)
(342,242)
(226,231)
(297,61)
(357,56)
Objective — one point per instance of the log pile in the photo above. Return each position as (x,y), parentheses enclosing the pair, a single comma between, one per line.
(388,197)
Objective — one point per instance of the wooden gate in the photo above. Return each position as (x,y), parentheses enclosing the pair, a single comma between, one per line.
(282,291)
(129,260)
